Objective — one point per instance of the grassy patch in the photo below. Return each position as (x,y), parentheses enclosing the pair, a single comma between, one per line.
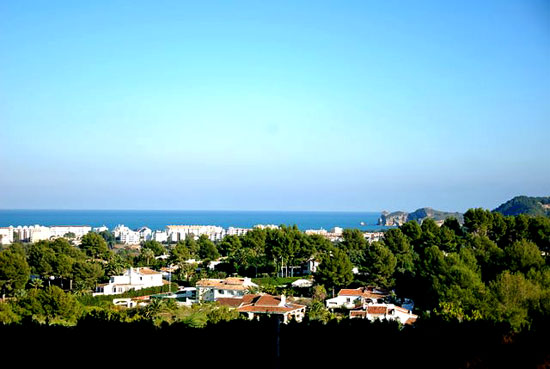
(274,281)
(89,300)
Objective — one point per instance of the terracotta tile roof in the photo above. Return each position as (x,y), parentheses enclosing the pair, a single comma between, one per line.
(377,310)
(357,313)
(234,281)
(248,299)
(268,309)
(366,292)
(230,302)
(147,271)
(411,320)
(267,300)
(266,304)
(232,284)
(348,292)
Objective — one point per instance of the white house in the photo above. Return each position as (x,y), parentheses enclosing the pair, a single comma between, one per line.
(384,312)
(132,279)
(212,289)
(310,266)
(353,298)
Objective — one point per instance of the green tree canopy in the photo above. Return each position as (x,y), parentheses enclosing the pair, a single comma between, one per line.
(523,255)
(154,246)
(94,245)
(207,249)
(14,270)
(379,264)
(335,269)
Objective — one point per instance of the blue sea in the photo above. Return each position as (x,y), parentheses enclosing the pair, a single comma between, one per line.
(158,219)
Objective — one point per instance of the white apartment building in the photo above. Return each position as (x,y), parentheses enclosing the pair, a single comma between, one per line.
(78,231)
(32,233)
(132,279)
(266,226)
(160,236)
(130,238)
(119,229)
(35,233)
(126,236)
(6,235)
(181,232)
(145,233)
(232,231)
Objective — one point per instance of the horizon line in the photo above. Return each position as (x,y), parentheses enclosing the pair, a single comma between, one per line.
(196,210)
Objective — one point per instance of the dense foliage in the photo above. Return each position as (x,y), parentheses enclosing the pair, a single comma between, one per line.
(491,267)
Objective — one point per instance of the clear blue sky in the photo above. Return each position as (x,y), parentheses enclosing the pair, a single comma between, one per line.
(286,105)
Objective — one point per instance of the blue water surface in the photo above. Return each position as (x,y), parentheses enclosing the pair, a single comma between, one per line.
(159,219)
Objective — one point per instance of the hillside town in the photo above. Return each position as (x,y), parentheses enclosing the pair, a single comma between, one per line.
(239,294)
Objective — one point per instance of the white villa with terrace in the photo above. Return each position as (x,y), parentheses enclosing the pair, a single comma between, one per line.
(211,289)
(132,279)
(352,298)
(384,312)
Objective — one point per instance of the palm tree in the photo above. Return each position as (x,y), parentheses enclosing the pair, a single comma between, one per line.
(154,307)
(147,255)
(36,283)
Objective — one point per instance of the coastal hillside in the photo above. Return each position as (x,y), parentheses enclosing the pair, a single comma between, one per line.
(525,205)
(397,218)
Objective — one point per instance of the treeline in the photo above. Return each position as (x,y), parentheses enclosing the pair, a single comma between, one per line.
(493,267)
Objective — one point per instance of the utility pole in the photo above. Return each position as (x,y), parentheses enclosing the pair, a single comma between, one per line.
(170,278)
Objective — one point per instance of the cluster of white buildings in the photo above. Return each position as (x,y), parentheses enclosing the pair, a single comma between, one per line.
(336,234)
(37,232)
(368,303)
(175,233)
(231,292)
(123,234)
(172,233)
(239,293)
(129,236)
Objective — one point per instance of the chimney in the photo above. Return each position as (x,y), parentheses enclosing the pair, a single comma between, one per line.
(283,300)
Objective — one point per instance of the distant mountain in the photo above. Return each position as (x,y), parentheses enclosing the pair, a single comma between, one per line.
(525,205)
(397,218)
